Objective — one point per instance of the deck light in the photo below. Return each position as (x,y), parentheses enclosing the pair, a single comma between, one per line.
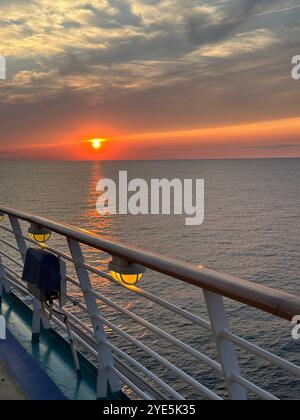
(38,233)
(125,272)
(1,217)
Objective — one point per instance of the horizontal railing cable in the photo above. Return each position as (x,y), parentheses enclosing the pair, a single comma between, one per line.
(173,308)
(12,259)
(151,352)
(185,347)
(187,378)
(9,245)
(121,353)
(253,388)
(200,356)
(263,354)
(131,385)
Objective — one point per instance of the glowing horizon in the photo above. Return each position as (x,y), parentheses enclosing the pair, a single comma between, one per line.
(259,137)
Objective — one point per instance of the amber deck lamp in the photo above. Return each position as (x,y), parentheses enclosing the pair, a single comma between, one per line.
(125,272)
(39,233)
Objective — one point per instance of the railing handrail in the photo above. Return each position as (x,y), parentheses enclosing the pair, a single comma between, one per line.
(281,304)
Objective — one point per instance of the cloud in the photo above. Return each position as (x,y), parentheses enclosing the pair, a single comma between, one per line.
(244,43)
(275,146)
(276,11)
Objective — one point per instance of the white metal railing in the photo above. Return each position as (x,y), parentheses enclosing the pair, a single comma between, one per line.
(93,331)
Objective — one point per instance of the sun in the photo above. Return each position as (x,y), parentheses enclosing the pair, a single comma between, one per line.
(96,143)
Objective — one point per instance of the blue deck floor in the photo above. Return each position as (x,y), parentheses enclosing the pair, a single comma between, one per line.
(52,357)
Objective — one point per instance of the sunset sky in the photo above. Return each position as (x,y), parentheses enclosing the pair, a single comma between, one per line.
(158,79)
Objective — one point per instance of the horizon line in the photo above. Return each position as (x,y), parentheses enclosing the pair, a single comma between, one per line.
(150,160)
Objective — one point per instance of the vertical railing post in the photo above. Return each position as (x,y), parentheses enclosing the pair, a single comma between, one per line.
(105,359)
(63,283)
(37,316)
(18,236)
(226,350)
(4,285)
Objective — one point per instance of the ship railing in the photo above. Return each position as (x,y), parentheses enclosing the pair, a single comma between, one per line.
(115,343)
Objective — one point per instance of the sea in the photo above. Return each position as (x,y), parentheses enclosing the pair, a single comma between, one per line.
(251,230)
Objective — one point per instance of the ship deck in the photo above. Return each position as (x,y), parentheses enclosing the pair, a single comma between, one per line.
(9,388)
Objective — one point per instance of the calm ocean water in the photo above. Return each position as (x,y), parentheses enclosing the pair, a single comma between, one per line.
(251,230)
